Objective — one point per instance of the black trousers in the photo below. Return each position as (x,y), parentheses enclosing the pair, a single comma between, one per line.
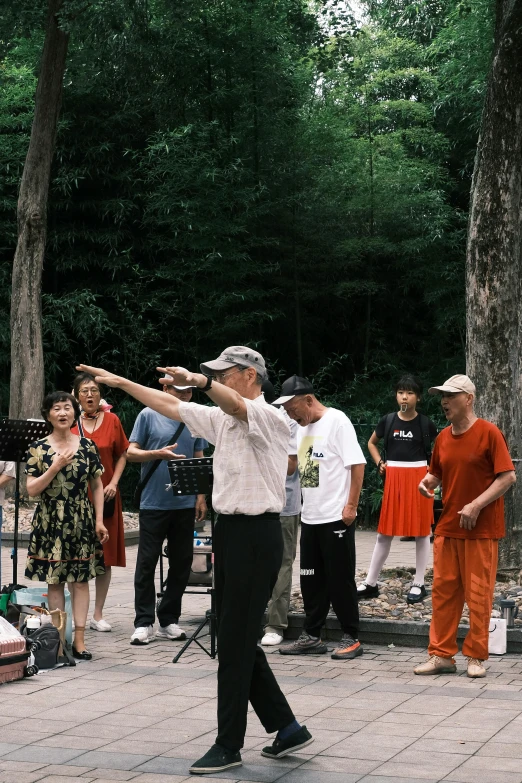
(247,553)
(156,526)
(328,576)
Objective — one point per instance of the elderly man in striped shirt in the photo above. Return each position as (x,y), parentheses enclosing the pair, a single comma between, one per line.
(250,467)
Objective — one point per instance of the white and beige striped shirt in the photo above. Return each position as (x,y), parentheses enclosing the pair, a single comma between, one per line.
(250,457)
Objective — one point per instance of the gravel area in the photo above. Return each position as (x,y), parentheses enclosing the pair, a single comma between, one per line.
(393,589)
(130,520)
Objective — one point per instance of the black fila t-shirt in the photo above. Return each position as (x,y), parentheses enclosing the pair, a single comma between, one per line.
(405,443)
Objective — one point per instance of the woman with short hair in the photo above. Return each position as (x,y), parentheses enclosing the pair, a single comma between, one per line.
(66,528)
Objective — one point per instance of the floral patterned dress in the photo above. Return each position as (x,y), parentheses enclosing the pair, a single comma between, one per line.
(63,546)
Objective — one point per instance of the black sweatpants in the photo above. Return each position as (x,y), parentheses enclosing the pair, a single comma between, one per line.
(247,554)
(177,526)
(328,576)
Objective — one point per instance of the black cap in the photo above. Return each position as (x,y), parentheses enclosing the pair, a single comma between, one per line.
(292,387)
(267,387)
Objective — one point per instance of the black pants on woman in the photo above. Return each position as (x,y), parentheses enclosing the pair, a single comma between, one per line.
(247,552)
(328,576)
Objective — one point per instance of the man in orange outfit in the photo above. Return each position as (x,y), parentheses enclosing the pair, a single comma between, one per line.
(472,462)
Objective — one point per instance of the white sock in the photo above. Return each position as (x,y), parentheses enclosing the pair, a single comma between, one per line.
(380,553)
(422,549)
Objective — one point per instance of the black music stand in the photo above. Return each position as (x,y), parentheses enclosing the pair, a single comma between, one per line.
(195,477)
(16,435)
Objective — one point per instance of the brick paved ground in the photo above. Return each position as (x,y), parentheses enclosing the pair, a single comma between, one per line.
(131,714)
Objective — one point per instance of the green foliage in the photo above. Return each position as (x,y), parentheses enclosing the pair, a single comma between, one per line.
(462,55)
(419,20)
(17,86)
(276,174)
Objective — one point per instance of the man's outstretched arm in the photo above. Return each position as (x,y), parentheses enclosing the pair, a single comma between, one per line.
(163,403)
(228,400)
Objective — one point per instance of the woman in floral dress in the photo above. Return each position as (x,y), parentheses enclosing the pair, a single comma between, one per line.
(66,529)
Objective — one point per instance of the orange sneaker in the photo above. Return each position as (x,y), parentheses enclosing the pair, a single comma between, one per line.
(348,648)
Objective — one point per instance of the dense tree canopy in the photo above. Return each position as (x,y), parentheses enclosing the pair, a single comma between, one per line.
(238,171)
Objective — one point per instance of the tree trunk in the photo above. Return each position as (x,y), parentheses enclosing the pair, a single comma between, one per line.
(494,258)
(27,367)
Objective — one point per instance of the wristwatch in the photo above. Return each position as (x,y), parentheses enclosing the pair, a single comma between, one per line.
(208,384)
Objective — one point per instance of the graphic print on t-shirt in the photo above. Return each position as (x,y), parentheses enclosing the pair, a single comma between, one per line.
(405,441)
(402,434)
(308,459)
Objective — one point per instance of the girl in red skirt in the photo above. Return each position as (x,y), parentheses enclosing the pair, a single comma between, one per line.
(405,512)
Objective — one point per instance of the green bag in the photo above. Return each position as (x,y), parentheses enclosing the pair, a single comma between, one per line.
(4,600)
(8,609)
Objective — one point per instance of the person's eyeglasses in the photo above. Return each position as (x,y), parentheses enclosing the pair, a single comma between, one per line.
(86,392)
(220,376)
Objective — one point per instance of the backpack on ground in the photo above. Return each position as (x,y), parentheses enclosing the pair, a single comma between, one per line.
(45,645)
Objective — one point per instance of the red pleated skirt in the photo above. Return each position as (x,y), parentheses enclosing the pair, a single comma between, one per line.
(404,511)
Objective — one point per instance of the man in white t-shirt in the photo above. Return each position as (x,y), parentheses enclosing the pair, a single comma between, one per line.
(331,469)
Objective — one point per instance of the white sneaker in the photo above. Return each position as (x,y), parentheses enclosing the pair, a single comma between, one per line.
(171,631)
(271,639)
(143,635)
(100,625)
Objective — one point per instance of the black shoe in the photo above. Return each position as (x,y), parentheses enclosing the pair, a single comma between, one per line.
(83,655)
(279,748)
(367,591)
(416,598)
(348,648)
(216,759)
(305,645)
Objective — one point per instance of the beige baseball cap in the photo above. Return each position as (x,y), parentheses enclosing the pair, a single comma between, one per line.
(455,384)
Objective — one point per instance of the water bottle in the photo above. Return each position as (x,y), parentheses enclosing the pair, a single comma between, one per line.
(509,611)
(31,624)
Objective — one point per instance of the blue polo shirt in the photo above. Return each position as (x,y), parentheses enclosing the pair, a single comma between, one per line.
(152,430)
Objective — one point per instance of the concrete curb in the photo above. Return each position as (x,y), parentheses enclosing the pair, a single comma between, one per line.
(401,633)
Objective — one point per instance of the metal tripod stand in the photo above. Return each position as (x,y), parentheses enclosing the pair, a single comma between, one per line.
(195,477)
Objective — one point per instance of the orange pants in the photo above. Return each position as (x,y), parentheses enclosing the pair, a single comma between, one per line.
(464,569)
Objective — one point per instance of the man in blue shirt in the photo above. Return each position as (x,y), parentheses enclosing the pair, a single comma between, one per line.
(163,515)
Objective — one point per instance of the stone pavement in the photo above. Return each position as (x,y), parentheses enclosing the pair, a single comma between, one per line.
(131,714)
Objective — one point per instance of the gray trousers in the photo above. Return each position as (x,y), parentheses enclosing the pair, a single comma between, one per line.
(277,612)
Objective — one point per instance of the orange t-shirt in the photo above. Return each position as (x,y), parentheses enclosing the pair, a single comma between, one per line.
(467,465)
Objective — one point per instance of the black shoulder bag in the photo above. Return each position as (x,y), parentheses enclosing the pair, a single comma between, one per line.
(387,429)
(426,437)
(140,486)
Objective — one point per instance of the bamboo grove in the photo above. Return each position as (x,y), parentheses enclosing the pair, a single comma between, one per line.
(274,172)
